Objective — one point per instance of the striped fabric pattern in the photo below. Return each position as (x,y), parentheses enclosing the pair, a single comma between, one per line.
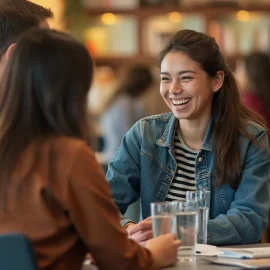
(184,179)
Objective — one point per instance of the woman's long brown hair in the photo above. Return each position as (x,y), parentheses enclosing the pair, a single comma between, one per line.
(43,94)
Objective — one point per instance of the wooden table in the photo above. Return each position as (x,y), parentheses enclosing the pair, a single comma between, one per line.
(199,264)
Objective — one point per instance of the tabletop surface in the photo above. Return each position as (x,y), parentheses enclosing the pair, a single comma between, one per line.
(199,263)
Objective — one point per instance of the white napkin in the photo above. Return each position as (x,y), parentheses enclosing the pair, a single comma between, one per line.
(207,250)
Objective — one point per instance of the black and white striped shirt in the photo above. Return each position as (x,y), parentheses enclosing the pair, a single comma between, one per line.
(184,179)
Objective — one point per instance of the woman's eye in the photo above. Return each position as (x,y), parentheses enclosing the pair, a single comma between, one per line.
(164,78)
(186,78)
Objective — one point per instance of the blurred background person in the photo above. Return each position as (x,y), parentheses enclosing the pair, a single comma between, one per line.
(125,107)
(253,74)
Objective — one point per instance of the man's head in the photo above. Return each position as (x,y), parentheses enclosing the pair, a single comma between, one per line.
(17,16)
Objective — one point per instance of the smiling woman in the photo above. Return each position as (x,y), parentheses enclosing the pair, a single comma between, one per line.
(188,90)
(208,141)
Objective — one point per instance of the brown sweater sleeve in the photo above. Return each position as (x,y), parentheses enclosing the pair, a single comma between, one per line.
(96,218)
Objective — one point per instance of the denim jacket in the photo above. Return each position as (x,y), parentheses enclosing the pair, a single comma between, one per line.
(144,167)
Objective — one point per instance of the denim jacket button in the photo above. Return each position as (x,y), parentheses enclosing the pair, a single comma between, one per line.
(200,159)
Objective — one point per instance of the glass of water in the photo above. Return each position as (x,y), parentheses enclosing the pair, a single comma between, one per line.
(163,218)
(202,197)
(186,229)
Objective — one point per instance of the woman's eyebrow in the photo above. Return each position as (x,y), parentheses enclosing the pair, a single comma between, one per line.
(179,73)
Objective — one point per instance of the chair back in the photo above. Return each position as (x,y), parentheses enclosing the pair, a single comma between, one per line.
(16,253)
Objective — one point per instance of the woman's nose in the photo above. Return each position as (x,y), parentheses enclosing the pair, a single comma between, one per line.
(176,87)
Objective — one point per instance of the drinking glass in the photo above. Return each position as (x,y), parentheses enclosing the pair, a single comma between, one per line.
(186,229)
(202,197)
(163,218)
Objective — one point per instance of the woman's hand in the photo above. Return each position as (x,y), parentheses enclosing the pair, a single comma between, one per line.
(140,232)
(164,249)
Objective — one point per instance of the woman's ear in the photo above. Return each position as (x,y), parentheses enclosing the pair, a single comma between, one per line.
(218,81)
(9,51)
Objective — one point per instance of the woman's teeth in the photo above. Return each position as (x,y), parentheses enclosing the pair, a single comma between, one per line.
(180,101)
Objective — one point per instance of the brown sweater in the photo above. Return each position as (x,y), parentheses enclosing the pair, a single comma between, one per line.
(77,216)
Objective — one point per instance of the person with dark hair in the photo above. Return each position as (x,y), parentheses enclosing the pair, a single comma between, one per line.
(126,104)
(52,188)
(253,74)
(17,16)
(209,141)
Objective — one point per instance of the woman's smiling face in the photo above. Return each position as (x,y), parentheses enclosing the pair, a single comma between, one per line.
(186,87)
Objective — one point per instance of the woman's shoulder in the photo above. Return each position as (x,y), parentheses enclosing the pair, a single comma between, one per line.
(69,143)
(155,126)
(164,117)
(59,153)
(67,148)
(254,128)
(67,153)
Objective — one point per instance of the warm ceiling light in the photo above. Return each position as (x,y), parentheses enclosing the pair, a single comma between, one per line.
(108,18)
(243,15)
(175,17)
